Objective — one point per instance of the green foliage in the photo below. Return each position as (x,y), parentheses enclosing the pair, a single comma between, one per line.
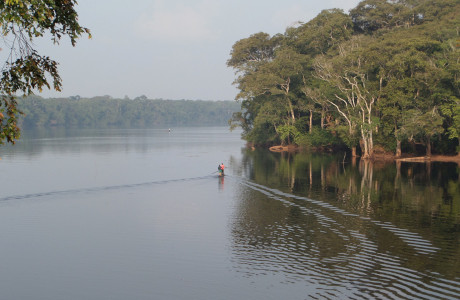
(322,34)
(248,53)
(373,15)
(349,139)
(302,124)
(25,69)
(454,130)
(288,133)
(387,73)
(318,138)
(9,129)
(264,134)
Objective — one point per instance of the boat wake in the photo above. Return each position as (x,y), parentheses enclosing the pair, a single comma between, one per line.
(98,189)
(421,245)
(342,255)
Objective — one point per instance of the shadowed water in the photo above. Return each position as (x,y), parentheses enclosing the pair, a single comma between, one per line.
(141,214)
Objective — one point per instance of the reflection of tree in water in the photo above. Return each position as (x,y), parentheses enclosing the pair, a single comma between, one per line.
(338,241)
(366,187)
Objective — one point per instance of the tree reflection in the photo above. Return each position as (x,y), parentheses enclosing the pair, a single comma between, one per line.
(418,198)
(368,187)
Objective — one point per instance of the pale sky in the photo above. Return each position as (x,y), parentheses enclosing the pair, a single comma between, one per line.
(170,49)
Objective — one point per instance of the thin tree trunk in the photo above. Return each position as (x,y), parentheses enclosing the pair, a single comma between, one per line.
(428,147)
(398,148)
(311,121)
(291,109)
(364,147)
(371,144)
(323,116)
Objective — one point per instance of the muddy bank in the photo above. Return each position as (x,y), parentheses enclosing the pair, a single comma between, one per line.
(289,148)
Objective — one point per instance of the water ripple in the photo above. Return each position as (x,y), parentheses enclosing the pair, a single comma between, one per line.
(360,270)
(420,245)
(97,189)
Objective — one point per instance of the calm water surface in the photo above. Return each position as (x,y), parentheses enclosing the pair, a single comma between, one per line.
(141,214)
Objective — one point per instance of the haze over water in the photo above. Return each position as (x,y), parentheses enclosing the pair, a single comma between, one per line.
(141,214)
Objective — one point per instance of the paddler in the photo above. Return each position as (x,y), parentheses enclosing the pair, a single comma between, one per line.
(221,169)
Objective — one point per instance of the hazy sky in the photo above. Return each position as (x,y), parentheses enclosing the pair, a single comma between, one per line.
(170,49)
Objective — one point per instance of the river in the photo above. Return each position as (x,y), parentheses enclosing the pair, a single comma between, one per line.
(142,214)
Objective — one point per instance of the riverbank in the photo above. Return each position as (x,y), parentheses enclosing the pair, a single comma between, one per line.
(288,148)
(383,156)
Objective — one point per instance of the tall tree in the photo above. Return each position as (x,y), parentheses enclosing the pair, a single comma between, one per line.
(25,70)
(322,35)
(358,89)
(247,58)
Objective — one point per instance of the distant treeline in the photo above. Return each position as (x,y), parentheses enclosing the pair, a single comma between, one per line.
(103,112)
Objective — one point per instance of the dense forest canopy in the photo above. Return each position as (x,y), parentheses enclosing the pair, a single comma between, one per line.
(384,77)
(104,111)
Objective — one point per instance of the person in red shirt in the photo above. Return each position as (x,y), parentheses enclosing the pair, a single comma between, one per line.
(221,169)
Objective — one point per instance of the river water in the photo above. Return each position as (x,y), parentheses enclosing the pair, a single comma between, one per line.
(142,214)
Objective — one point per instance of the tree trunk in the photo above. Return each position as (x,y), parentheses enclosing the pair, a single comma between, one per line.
(428,147)
(364,146)
(323,116)
(398,148)
(353,151)
(291,109)
(311,121)
(371,144)
(365,153)
(367,144)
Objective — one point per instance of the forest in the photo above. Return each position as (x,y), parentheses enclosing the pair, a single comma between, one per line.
(383,78)
(105,111)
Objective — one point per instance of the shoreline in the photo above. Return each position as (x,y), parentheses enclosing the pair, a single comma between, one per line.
(383,157)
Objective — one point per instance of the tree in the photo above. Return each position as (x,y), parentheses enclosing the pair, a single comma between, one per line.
(420,78)
(454,130)
(370,75)
(322,34)
(425,125)
(25,69)
(372,15)
(248,56)
(358,90)
(276,77)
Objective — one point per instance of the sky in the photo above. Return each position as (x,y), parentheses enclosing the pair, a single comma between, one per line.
(168,49)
